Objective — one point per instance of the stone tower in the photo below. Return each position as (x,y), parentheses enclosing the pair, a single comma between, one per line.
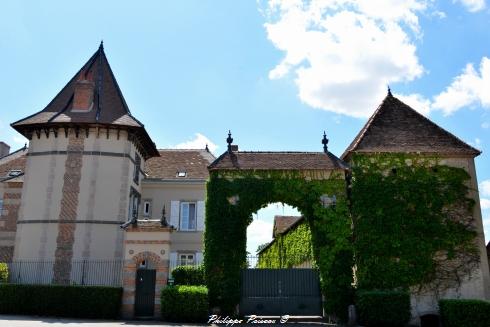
(84,166)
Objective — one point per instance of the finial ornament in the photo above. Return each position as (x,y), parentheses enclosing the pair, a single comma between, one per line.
(325,142)
(389,91)
(229,140)
(207,148)
(101,46)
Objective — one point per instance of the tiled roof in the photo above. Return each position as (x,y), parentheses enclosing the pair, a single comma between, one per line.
(14,161)
(395,127)
(277,161)
(283,223)
(193,162)
(109,106)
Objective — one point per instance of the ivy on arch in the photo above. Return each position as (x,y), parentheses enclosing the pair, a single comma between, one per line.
(232,197)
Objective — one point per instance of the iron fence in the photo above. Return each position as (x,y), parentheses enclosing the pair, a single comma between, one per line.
(83,272)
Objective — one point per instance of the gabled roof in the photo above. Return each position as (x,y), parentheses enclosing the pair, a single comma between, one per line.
(397,128)
(109,106)
(12,162)
(283,224)
(171,161)
(235,160)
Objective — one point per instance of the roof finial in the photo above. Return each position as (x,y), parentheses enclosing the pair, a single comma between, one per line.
(229,140)
(101,46)
(325,142)
(207,149)
(389,91)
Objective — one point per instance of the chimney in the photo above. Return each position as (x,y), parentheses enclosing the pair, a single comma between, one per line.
(4,149)
(83,98)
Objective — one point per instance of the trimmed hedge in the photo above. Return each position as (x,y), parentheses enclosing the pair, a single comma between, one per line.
(61,300)
(184,303)
(4,273)
(189,275)
(383,308)
(464,313)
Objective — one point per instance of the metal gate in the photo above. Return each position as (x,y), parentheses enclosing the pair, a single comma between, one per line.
(275,292)
(144,304)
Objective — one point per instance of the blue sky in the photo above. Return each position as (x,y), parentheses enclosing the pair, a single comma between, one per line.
(276,73)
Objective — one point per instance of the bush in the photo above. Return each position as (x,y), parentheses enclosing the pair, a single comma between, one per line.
(383,308)
(189,275)
(464,313)
(183,303)
(4,273)
(60,300)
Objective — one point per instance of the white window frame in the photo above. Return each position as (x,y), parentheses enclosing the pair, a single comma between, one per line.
(186,259)
(182,225)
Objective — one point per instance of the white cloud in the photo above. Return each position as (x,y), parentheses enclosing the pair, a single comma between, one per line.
(469,88)
(258,232)
(486,228)
(485,125)
(20,140)
(472,5)
(343,53)
(417,102)
(484,204)
(198,142)
(484,187)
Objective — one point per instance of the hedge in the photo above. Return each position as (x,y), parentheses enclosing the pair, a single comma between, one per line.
(60,300)
(188,275)
(464,313)
(383,308)
(4,273)
(184,303)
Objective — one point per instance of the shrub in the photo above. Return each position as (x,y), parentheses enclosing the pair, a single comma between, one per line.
(465,313)
(60,300)
(383,308)
(4,273)
(184,303)
(188,275)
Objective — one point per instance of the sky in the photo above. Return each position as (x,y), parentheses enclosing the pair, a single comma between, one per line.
(275,73)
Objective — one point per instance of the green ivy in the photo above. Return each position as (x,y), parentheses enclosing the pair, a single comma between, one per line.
(289,249)
(412,220)
(234,196)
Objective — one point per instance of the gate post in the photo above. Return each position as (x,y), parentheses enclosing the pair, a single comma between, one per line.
(147,243)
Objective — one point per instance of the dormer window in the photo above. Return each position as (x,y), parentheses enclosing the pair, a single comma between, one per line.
(15,172)
(181,173)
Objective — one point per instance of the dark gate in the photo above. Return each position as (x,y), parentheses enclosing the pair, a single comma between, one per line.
(144,303)
(275,292)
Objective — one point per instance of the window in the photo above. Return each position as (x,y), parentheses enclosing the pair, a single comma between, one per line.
(188,216)
(137,168)
(15,172)
(1,207)
(186,259)
(134,202)
(146,208)
(181,173)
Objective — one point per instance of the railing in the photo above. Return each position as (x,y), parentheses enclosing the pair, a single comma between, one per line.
(83,272)
(259,261)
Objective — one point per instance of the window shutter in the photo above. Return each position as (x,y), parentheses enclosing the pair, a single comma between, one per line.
(173,262)
(199,258)
(174,214)
(200,215)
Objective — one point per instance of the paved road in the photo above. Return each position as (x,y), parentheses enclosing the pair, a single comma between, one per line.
(34,321)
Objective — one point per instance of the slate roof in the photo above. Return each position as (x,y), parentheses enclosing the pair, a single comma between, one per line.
(283,224)
(171,161)
(395,127)
(236,160)
(109,108)
(13,161)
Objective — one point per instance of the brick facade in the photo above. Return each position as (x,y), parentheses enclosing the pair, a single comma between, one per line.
(68,212)
(8,219)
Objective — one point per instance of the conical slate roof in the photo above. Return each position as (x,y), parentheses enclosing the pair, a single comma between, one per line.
(397,128)
(109,107)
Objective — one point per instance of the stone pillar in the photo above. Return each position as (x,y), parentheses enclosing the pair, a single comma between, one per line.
(147,242)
